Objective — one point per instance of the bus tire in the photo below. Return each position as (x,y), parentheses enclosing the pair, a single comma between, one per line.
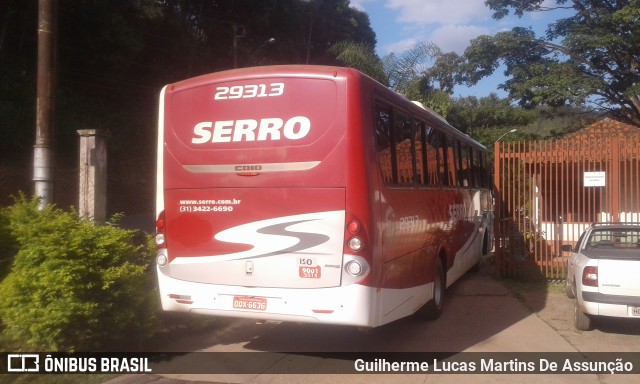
(433,309)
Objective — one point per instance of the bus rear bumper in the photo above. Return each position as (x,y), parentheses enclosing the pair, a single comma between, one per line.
(347,305)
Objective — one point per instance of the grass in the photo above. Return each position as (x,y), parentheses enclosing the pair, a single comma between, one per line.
(533,285)
(524,289)
(531,279)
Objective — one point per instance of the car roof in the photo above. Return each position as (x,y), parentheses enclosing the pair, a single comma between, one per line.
(615,225)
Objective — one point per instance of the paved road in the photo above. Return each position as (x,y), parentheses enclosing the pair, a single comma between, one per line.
(480,316)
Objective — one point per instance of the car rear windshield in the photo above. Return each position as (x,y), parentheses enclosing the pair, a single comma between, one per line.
(614,239)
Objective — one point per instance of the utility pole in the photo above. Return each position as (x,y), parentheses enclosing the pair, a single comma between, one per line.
(238,32)
(43,152)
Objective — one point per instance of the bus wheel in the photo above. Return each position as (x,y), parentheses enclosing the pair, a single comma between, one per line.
(433,309)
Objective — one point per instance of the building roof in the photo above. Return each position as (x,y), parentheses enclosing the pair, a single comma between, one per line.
(591,142)
(602,130)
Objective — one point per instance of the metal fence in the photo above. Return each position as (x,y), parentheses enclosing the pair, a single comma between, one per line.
(548,192)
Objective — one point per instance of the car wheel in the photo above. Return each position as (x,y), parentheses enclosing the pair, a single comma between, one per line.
(581,320)
(568,288)
(433,309)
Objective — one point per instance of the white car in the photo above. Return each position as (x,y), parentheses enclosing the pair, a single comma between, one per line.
(604,273)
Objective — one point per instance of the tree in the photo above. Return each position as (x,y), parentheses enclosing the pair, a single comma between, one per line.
(407,70)
(114,56)
(591,57)
(407,73)
(361,57)
(471,113)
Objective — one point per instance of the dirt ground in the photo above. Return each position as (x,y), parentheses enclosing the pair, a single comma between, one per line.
(556,309)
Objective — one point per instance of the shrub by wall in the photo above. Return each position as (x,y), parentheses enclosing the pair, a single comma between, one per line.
(72,285)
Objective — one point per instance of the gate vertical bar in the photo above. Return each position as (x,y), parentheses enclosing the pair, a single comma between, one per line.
(518,188)
(497,217)
(625,189)
(546,192)
(614,186)
(513,228)
(635,176)
(533,204)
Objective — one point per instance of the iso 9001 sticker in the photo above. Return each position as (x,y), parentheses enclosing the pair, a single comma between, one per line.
(308,268)
(310,272)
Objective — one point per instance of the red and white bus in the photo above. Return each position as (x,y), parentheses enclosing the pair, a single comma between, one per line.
(312,194)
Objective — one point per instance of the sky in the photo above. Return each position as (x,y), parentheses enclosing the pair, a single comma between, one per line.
(450,24)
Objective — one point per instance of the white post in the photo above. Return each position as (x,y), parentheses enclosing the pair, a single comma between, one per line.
(93,175)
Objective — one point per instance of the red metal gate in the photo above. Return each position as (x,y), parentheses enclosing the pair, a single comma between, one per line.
(548,192)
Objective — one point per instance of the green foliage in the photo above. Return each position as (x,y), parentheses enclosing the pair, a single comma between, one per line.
(361,57)
(588,58)
(74,286)
(488,112)
(407,70)
(8,245)
(114,57)
(438,101)
(541,123)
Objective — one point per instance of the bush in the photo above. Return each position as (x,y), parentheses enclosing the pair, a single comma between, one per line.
(73,285)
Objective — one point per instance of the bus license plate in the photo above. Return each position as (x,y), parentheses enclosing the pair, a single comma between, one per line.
(250,303)
(635,311)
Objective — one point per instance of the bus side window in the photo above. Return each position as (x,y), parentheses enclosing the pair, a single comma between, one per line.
(448,166)
(404,149)
(454,165)
(383,138)
(421,154)
(431,155)
(485,176)
(440,144)
(474,169)
(464,170)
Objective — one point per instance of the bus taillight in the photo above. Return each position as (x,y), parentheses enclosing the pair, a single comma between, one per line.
(353,227)
(355,243)
(355,264)
(161,241)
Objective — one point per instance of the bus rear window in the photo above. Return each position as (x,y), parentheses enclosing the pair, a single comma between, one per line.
(224,121)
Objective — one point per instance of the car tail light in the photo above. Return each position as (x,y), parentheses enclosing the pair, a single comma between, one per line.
(590,276)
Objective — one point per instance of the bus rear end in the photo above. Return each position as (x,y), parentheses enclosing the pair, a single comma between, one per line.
(252,194)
